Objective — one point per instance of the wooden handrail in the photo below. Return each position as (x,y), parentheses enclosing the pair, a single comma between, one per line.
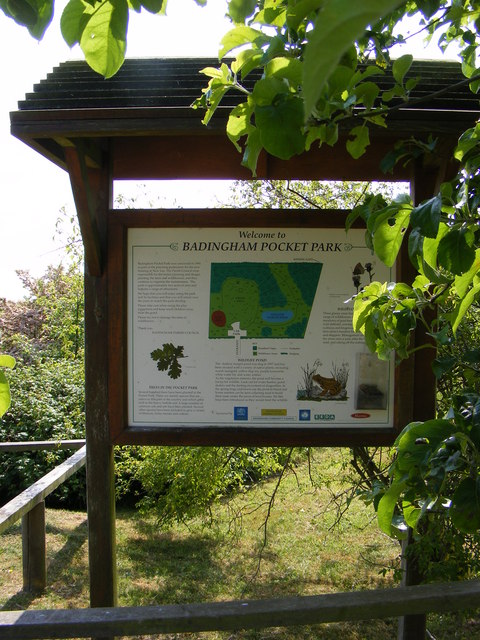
(281,612)
(36,493)
(41,445)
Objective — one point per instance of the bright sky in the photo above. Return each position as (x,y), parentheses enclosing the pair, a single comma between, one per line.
(32,189)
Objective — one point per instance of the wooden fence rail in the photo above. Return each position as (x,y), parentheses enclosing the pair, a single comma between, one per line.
(39,445)
(228,616)
(30,506)
(38,491)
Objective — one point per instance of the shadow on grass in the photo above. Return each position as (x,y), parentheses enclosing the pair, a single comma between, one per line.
(190,570)
(57,565)
(156,567)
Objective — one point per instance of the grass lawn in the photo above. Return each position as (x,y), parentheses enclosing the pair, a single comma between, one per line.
(225,559)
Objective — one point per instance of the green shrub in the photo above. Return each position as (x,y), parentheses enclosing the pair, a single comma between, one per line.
(180,483)
(47,404)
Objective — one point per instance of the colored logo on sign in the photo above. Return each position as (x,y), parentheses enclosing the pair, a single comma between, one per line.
(240,413)
(304,415)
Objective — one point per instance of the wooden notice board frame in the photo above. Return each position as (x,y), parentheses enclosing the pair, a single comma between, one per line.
(268,430)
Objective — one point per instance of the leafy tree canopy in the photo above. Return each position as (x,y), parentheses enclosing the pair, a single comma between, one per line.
(316,64)
(310,53)
(48,322)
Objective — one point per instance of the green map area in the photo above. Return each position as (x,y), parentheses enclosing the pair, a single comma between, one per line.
(261,300)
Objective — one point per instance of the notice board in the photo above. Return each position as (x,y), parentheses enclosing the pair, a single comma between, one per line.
(240,331)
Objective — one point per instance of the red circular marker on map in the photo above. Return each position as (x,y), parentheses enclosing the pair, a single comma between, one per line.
(219,318)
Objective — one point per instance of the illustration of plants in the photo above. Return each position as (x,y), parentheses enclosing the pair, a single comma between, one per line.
(306,390)
(167,359)
(358,270)
(340,373)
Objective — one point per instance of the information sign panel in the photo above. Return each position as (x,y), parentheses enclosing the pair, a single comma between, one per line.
(239,331)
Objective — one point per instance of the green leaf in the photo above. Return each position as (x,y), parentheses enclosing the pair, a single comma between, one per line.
(135,5)
(361,139)
(288,68)
(221,81)
(5,398)
(103,40)
(327,132)
(401,66)
(214,72)
(340,79)
(364,302)
(463,282)
(271,16)
(455,250)
(35,15)
(465,508)
(426,216)
(240,36)
(281,127)
(21,11)
(155,6)
(402,290)
(239,10)
(421,282)
(246,61)
(418,441)
(411,513)
(370,333)
(239,123)
(415,247)
(467,141)
(465,304)
(253,148)
(441,366)
(367,93)
(338,24)
(428,258)
(297,12)
(266,91)
(212,100)
(7,361)
(469,55)
(441,337)
(73,21)
(276,47)
(428,7)
(389,234)
(387,505)
(405,320)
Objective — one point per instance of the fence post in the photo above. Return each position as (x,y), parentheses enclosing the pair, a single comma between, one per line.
(411,627)
(34,549)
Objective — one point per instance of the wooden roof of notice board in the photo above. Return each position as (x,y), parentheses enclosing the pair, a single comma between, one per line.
(141,122)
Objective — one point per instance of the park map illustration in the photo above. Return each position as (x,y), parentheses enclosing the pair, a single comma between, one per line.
(261,300)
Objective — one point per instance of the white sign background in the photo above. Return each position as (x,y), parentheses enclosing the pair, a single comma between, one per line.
(240,379)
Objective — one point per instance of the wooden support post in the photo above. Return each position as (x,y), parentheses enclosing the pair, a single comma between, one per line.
(84,183)
(34,549)
(100,465)
(92,190)
(425,183)
(411,627)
